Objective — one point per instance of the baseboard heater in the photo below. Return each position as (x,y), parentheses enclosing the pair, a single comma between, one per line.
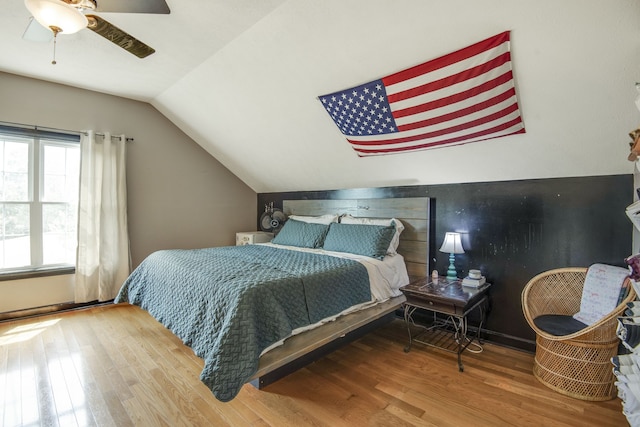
(49,309)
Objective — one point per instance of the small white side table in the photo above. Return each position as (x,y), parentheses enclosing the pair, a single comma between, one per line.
(251,237)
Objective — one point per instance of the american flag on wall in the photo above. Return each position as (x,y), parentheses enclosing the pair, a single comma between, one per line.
(465,96)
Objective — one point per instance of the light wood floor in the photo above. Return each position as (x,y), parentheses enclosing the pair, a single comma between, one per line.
(117,366)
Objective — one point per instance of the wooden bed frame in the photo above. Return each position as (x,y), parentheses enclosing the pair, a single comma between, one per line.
(304,348)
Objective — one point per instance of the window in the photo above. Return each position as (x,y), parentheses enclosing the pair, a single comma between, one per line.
(39,175)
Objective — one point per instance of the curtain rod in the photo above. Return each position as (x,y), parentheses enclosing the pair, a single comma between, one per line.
(112,136)
(43,128)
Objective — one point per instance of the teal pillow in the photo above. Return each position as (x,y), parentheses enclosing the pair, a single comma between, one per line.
(301,234)
(360,239)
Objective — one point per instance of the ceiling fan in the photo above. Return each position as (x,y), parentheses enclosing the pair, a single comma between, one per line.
(51,17)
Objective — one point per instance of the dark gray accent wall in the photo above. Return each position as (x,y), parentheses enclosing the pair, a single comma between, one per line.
(514,230)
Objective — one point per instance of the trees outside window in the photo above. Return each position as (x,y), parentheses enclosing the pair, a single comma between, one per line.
(38,200)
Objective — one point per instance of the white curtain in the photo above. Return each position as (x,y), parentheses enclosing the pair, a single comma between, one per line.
(103,261)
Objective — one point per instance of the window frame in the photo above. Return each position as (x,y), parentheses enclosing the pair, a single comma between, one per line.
(38,140)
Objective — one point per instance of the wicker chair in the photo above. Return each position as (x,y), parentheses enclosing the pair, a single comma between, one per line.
(578,364)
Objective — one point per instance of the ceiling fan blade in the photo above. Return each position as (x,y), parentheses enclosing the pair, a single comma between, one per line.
(133,6)
(118,36)
(36,32)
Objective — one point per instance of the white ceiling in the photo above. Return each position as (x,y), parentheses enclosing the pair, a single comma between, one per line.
(193,32)
(242,78)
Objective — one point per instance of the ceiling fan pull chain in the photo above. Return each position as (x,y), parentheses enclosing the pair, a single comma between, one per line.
(55,30)
(55,38)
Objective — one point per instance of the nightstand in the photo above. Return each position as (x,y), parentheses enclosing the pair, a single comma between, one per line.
(450,303)
(251,237)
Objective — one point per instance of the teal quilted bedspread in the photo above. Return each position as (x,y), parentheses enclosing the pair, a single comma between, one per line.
(230,303)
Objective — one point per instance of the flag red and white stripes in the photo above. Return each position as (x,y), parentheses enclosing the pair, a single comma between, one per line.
(465,96)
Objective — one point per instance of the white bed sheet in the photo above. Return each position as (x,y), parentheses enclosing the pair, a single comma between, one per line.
(386,277)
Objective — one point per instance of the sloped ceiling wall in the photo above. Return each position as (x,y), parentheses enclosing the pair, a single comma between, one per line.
(253,104)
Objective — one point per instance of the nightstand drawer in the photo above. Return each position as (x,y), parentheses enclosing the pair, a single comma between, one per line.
(440,307)
(443,296)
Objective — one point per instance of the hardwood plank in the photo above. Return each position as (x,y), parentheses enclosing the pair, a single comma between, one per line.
(407,417)
(104,392)
(209,413)
(78,396)
(29,386)
(62,401)
(83,358)
(275,410)
(321,399)
(4,354)
(364,390)
(13,388)
(138,413)
(243,409)
(371,381)
(46,403)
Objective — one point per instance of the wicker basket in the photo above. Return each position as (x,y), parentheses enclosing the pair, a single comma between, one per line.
(577,365)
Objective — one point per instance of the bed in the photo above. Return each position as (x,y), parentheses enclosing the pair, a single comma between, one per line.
(254,313)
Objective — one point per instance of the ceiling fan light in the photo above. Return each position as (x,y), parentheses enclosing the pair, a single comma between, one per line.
(56,13)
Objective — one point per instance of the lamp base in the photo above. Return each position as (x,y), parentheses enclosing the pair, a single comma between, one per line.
(452,274)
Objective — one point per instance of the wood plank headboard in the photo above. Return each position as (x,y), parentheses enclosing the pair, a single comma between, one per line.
(412,211)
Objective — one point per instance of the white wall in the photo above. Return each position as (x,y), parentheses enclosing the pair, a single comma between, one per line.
(575,64)
(178,195)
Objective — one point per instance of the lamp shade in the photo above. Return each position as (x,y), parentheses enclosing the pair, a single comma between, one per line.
(57,14)
(452,243)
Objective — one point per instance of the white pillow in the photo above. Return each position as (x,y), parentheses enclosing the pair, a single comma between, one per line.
(395,241)
(322,219)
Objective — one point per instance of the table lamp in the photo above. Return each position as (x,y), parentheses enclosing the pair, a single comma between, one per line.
(452,245)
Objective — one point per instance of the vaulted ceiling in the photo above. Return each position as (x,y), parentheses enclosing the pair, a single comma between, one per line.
(242,77)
